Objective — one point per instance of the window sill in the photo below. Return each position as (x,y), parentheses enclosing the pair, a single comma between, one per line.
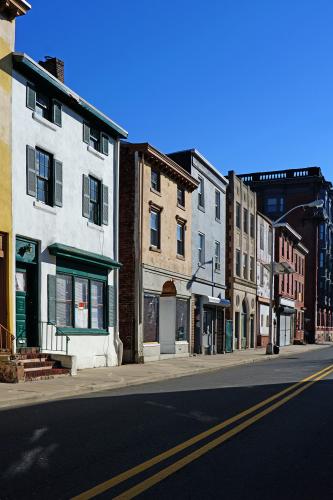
(81,331)
(95,153)
(95,227)
(181,342)
(181,207)
(158,193)
(154,249)
(217,271)
(180,257)
(46,208)
(202,209)
(44,121)
(218,220)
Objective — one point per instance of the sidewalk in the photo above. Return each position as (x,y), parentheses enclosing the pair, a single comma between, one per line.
(101,379)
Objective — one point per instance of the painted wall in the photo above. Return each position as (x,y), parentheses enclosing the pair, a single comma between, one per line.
(167,258)
(7,36)
(64,225)
(263,257)
(204,221)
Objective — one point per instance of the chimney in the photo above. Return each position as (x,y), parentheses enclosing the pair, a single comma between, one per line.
(54,66)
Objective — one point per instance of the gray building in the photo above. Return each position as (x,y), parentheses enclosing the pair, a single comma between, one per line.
(208,252)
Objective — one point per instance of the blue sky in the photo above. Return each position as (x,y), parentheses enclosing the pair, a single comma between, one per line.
(248,83)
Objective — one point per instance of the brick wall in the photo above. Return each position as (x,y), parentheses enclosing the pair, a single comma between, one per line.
(127,254)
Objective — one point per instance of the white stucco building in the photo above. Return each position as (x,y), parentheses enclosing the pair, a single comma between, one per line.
(264,255)
(65,218)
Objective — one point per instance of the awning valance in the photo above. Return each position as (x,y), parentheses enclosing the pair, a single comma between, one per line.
(216,301)
(77,254)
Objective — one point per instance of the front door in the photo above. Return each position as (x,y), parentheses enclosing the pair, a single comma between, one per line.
(228,336)
(208,337)
(21,308)
(244,330)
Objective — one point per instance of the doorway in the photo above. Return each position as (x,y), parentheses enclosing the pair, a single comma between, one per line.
(208,334)
(244,325)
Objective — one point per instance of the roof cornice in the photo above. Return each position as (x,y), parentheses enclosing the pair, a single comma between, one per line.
(14,8)
(164,162)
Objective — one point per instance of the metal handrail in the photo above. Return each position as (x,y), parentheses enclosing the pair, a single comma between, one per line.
(6,339)
(51,339)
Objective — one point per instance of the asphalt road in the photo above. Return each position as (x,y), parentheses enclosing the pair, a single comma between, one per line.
(281,449)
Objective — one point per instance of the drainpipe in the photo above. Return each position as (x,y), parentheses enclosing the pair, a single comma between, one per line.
(116,244)
(138,183)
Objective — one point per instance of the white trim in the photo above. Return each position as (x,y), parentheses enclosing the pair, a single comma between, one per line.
(94,152)
(44,121)
(95,226)
(46,208)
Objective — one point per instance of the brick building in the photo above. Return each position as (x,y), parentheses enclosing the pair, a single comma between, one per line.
(280,191)
(155,250)
(300,255)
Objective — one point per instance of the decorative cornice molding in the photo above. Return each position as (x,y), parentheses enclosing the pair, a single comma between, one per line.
(14,8)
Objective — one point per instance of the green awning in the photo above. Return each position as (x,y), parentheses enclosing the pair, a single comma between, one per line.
(77,254)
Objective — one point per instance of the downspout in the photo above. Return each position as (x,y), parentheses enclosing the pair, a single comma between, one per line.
(118,342)
(138,184)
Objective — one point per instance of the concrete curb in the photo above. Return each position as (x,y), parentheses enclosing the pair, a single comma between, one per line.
(91,389)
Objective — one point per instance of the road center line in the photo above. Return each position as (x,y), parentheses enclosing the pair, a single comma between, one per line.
(124,476)
(176,466)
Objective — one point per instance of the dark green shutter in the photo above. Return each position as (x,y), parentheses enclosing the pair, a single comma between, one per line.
(105,144)
(112,306)
(31,97)
(57,183)
(51,298)
(85,196)
(31,171)
(105,205)
(56,113)
(86,133)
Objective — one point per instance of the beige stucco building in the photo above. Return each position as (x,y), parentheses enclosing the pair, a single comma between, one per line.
(156,253)
(241,261)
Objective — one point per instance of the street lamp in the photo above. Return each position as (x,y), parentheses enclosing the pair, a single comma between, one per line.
(312,204)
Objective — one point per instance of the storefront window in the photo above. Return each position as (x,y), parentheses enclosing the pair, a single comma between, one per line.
(151,318)
(97,305)
(181,319)
(81,303)
(64,300)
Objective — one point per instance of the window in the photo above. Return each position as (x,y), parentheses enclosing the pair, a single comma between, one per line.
(155,217)
(95,201)
(180,239)
(244,265)
(43,177)
(252,226)
(217,205)
(238,215)
(217,256)
(322,232)
(180,196)
(261,275)
(95,139)
(270,237)
(321,260)
(275,205)
(95,206)
(151,318)
(252,268)
(80,302)
(181,319)
(201,193)
(245,221)
(44,106)
(262,237)
(201,248)
(238,262)
(155,179)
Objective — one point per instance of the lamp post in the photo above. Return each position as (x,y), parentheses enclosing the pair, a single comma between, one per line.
(313,204)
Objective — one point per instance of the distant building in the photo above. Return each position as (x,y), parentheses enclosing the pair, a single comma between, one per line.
(278,192)
(300,255)
(264,258)
(208,251)
(241,261)
(156,255)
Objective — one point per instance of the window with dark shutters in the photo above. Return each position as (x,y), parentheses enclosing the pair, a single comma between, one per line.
(57,183)
(105,208)
(57,113)
(85,196)
(51,299)
(105,144)
(31,97)
(86,133)
(31,171)
(112,306)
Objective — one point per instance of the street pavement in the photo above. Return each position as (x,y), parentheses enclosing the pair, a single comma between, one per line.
(115,377)
(246,432)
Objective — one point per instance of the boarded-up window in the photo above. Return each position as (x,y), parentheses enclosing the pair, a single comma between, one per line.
(151,318)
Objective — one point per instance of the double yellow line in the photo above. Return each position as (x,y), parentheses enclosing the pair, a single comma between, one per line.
(288,393)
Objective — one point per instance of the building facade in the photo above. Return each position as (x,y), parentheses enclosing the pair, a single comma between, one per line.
(264,259)
(241,261)
(9,11)
(65,218)
(300,256)
(278,192)
(208,252)
(156,254)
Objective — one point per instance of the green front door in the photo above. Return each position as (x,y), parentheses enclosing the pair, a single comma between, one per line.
(21,308)
(228,336)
